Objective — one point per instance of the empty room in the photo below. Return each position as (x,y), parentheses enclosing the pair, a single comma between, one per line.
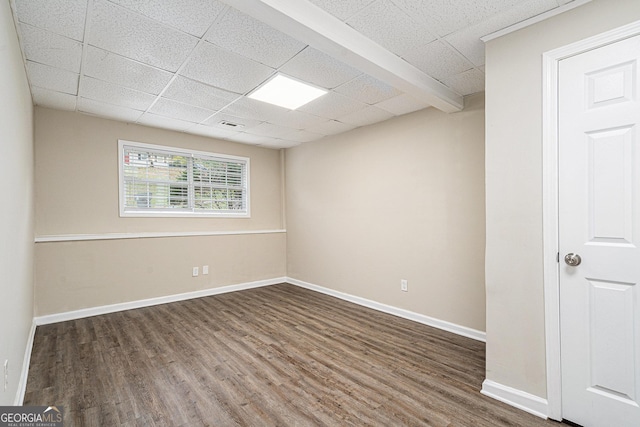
(320,213)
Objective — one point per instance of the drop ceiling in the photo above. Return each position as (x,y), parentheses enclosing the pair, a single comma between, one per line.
(187,65)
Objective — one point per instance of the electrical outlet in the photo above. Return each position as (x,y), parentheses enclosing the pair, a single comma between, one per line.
(6,374)
(205,269)
(195,271)
(404,285)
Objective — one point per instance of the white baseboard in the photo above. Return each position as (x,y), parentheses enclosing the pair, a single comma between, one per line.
(517,398)
(95,311)
(406,314)
(416,317)
(24,372)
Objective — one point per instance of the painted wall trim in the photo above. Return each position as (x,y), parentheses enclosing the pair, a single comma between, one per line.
(517,398)
(550,230)
(24,372)
(147,235)
(534,20)
(130,305)
(406,314)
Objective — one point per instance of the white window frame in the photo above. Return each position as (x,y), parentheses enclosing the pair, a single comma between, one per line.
(148,213)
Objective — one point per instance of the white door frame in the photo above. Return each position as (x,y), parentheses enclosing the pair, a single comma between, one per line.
(550,183)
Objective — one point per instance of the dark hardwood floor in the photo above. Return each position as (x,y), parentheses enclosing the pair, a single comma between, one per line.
(279,355)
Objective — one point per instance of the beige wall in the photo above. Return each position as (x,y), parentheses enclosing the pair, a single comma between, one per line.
(77,177)
(76,167)
(515,300)
(76,275)
(402,199)
(16,207)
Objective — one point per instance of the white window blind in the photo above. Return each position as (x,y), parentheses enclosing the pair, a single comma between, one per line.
(165,181)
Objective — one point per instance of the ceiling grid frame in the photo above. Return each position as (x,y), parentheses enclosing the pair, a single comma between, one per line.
(182,66)
(390,86)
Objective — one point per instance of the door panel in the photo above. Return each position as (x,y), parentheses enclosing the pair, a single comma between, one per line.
(611,185)
(611,320)
(599,209)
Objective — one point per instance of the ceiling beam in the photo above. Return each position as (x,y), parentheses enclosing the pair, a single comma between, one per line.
(316,27)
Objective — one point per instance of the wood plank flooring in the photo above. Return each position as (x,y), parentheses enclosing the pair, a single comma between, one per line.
(274,356)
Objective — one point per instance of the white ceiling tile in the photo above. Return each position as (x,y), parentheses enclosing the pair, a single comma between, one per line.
(384,23)
(342,9)
(484,9)
(181,111)
(268,139)
(64,17)
(246,36)
(110,93)
(319,69)
(467,40)
(212,132)
(483,69)
(51,49)
(251,109)
(123,71)
(243,123)
(297,119)
(108,111)
(190,16)
(52,78)
(163,122)
(367,116)
(438,60)
(466,83)
(247,138)
(226,70)
(367,89)
(332,127)
(279,143)
(440,16)
(127,33)
(199,94)
(268,129)
(445,16)
(303,136)
(51,99)
(402,104)
(332,106)
(563,2)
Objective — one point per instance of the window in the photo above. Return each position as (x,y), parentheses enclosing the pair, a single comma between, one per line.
(165,181)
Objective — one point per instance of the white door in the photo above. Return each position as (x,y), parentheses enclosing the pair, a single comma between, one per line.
(599,208)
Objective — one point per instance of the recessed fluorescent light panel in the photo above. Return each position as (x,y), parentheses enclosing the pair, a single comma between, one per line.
(286,92)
